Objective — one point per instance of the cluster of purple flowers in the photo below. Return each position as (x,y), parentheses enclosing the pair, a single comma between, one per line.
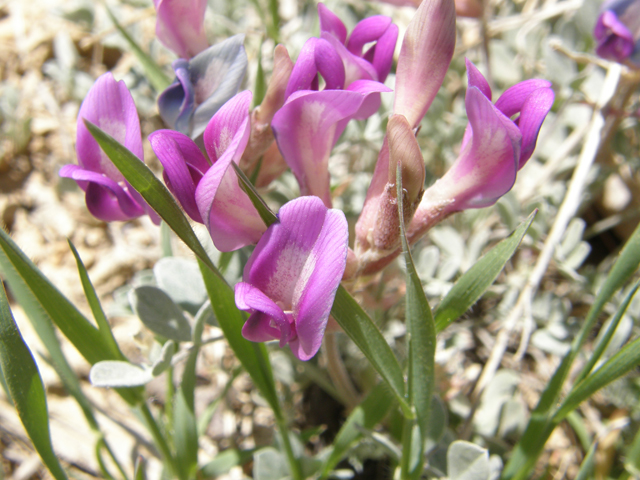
(291,278)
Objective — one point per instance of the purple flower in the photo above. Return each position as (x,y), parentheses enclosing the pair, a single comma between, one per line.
(210,193)
(203,84)
(425,55)
(311,121)
(290,281)
(309,125)
(617,31)
(109,196)
(184,166)
(493,149)
(180,26)
(372,64)
(427,49)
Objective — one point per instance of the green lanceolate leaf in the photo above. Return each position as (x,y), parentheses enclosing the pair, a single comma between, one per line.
(618,365)
(185,436)
(421,336)
(152,190)
(366,335)
(156,76)
(253,356)
(366,415)
(540,426)
(27,391)
(225,461)
(475,281)
(43,326)
(98,314)
(604,342)
(36,292)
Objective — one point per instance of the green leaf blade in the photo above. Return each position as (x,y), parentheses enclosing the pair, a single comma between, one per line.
(367,415)
(366,335)
(25,384)
(421,337)
(94,303)
(470,286)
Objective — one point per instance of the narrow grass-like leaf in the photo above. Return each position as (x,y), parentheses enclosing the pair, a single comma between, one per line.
(540,426)
(606,338)
(274,26)
(43,326)
(367,415)
(185,436)
(366,335)
(36,292)
(225,461)
(156,76)
(421,337)
(94,302)
(253,356)
(139,472)
(621,363)
(588,463)
(185,426)
(27,391)
(152,190)
(260,88)
(632,463)
(475,281)
(268,217)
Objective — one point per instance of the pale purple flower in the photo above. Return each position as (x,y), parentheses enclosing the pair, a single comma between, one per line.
(372,64)
(291,278)
(180,26)
(203,84)
(494,146)
(617,31)
(209,192)
(311,121)
(184,166)
(309,124)
(493,149)
(427,49)
(109,196)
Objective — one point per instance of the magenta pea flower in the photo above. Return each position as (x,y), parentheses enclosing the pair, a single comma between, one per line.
(180,26)
(291,278)
(184,166)
(617,31)
(372,64)
(209,192)
(310,122)
(494,147)
(108,195)
(427,49)
(203,84)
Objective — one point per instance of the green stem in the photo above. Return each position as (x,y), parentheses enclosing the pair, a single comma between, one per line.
(405,462)
(168,404)
(107,447)
(159,439)
(294,465)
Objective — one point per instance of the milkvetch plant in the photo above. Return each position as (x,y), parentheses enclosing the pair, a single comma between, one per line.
(290,271)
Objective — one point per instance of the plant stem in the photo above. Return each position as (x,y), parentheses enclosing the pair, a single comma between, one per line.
(405,463)
(338,373)
(159,439)
(294,465)
(107,447)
